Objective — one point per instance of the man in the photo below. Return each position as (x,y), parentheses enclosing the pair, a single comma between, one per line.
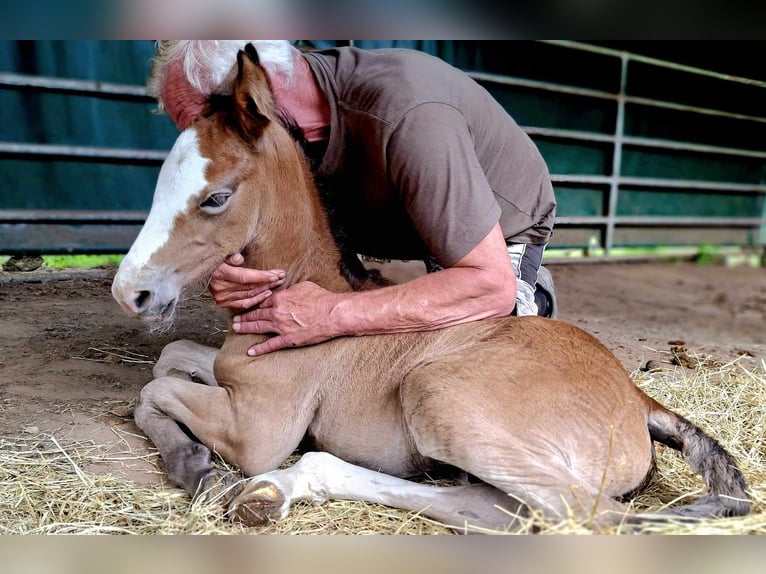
(420,163)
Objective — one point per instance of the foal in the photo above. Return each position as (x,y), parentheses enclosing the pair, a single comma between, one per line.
(538,410)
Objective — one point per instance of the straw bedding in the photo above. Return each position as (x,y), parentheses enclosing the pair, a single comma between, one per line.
(44,489)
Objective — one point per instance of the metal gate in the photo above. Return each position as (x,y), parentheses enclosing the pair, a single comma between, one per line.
(642,151)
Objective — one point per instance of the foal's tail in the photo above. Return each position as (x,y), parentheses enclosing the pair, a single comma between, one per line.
(726,485)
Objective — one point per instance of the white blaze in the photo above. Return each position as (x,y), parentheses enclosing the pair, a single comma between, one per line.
(182,176)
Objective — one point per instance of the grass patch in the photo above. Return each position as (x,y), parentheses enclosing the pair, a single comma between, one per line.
(76,261)
(80,261)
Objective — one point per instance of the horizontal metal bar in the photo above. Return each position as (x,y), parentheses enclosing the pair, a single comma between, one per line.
(582,220)
(589,93)
(50,276)
(539,85)
(688,146)
(660,221)
(573,178)
(693,109)
(675,221)
(657,182)
(601,259)
(72,86)
(568,134)
(692,184)
(633,141)
(37,216)
(81,152)
(52,238)
(655,62)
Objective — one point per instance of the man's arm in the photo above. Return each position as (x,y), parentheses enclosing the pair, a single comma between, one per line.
(480,285)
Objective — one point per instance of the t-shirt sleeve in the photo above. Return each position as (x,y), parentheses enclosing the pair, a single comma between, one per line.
(433,166)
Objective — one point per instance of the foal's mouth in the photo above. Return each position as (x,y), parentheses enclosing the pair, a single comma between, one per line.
(161,318)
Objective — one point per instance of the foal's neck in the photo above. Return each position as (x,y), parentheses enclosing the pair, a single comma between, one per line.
(297,237)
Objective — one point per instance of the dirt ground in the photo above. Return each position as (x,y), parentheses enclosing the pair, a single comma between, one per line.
(71,362)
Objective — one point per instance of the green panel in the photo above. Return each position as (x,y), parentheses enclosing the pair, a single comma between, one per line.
(554,110)
(566,157)
(26,185)
(533,60)
(661,123)
(578,200)
(61,119)
(688,203)
(670,85)
(687,165)
(78,120)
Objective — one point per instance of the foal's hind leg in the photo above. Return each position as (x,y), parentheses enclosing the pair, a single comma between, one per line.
(459,422)
(320,476)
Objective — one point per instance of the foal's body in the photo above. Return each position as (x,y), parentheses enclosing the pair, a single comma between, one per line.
(470,396)
(537,410)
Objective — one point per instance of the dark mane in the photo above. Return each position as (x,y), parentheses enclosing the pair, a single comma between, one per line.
(218,103)
(224,104)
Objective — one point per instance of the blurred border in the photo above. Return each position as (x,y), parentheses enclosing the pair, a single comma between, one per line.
(383,555)
(383,19)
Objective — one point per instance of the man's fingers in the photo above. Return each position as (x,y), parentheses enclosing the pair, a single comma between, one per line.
(258,321)
(243,276)
(235,259)
(259,314)
(229,289)
(269,345)
(250,301)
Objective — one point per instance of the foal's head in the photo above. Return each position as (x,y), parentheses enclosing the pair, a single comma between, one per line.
(224,185)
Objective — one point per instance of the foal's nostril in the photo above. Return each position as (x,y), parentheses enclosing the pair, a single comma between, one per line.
(141,299)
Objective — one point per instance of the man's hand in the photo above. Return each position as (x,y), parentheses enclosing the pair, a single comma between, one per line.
(238,288)
(299,315)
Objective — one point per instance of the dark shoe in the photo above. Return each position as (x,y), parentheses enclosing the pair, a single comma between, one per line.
(545,284)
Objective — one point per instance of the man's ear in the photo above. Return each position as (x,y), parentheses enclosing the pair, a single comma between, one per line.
(253,98)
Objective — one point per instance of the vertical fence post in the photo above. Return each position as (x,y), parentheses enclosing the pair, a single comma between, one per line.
(619,132)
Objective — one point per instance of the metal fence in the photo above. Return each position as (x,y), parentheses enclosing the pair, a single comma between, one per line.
(609,221)
(57,230)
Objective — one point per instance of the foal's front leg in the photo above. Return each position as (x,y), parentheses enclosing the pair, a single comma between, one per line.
(188,463)
(175,414)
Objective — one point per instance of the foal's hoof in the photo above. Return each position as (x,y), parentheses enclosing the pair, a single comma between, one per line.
(258,504)
(217,486)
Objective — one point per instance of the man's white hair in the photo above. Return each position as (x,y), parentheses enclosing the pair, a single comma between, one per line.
(210,65)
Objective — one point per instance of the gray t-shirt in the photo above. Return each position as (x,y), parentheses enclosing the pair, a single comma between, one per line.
(422,160)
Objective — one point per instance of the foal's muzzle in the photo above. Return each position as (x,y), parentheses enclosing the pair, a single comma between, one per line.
(149,300)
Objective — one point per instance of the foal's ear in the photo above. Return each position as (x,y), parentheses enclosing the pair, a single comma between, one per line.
(254,101)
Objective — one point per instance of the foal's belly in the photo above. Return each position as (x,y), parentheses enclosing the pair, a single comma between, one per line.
(370,432)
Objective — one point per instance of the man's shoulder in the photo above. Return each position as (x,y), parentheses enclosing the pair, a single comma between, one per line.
(388,83)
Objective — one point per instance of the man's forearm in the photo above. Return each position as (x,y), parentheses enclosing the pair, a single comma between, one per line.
(449,297)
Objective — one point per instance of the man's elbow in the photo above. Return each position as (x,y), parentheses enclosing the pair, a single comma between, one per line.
(501,293)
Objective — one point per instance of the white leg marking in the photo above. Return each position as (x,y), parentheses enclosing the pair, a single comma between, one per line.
(319,476)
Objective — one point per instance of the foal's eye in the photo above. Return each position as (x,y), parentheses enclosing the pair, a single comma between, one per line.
(215,201)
